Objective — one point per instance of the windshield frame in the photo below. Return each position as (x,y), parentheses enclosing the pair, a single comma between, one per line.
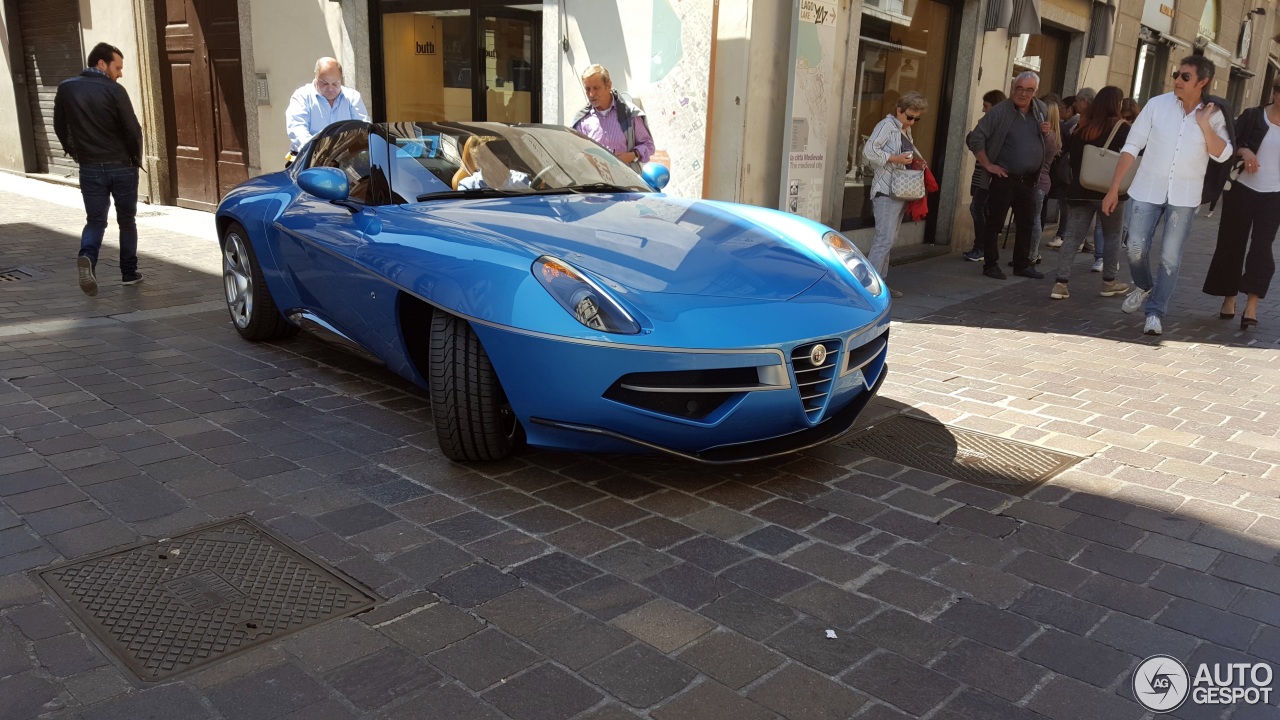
(427,162)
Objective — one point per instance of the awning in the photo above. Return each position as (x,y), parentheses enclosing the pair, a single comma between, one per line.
(1101,23)
(998,14)
(1026,18)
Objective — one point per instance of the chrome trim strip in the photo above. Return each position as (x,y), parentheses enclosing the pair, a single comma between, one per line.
(702,389)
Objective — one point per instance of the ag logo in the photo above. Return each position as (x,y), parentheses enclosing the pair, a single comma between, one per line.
(1161,683)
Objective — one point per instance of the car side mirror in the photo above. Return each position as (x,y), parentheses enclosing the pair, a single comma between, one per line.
(656,175)
(325,182)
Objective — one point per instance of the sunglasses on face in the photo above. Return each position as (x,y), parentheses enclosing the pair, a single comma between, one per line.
(911,117)
(1186,76)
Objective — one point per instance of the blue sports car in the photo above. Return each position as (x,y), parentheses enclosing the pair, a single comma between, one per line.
(543,292)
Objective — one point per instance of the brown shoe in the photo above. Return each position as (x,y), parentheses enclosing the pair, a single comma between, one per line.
(1111,288)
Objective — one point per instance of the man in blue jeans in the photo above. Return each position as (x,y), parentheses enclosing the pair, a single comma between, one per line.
(1181,132)
(97,127)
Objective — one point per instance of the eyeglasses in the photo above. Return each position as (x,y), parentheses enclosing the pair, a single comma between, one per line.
(1186,76)
(912,118)
(1024,89)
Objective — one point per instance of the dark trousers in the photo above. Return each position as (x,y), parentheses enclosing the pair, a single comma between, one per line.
(100,184)
(1020,194)
(978,211)
(1249,219)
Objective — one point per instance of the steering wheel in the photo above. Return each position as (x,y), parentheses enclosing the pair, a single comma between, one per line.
(540,177)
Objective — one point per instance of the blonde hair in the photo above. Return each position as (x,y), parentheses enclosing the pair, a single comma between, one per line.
(1055,122)
(593,70)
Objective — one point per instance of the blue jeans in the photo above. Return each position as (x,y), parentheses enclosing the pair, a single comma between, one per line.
(100,183)
(888,214)
(1098,238)
(1142,230)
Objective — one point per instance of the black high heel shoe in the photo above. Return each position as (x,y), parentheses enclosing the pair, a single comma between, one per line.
(1247,322)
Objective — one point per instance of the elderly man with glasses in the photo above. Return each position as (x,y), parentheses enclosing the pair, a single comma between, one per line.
(320,103)
(1009,144)
(1181,132)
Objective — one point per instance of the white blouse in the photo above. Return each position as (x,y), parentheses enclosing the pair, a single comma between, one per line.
(1267,179)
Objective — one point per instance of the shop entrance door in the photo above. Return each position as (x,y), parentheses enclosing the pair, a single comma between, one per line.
(507,45)
(458,61)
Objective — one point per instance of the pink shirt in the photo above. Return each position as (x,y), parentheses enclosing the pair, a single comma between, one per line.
(603,127)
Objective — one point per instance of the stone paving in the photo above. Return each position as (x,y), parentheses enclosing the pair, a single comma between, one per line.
(557,585)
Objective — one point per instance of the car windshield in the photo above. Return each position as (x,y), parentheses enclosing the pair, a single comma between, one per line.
(458,160)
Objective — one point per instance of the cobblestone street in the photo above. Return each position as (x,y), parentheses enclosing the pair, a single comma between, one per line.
(556,586)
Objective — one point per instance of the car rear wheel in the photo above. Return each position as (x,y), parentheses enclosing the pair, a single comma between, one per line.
(472,417)
(252,309)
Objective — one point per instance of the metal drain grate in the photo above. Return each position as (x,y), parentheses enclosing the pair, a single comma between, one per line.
(992,462)
(14,275)
(166,608)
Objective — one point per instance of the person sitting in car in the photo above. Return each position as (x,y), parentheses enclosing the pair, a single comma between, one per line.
(479,162)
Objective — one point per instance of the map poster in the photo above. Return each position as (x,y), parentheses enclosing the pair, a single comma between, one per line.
(811,84)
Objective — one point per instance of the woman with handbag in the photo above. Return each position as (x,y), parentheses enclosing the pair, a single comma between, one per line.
(1250,216)
(1100,129)
(899,175)
(1045,184)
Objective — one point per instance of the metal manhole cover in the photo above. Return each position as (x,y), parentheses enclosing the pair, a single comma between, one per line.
(992,462)
(14,275)
(166,608)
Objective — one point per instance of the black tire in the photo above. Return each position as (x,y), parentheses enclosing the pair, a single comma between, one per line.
(253,311)
(473,420)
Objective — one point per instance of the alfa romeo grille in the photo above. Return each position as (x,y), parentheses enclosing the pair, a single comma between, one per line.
(815,370)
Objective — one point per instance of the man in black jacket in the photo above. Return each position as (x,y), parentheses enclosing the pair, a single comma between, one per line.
(97,127)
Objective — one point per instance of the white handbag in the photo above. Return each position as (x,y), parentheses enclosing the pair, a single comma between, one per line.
(1098,165)
(906,183)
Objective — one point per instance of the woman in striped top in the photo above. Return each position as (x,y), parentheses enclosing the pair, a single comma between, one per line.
(888,149)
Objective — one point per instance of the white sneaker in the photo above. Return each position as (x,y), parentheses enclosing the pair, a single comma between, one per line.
(1153,326)
(1055,243)
(1097,265)
(1134,300)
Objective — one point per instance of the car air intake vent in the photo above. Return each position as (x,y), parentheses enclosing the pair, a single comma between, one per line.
(815,367)
(692,394)
(858,357)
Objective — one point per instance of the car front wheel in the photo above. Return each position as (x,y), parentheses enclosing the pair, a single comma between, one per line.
(473,419)
(252,309)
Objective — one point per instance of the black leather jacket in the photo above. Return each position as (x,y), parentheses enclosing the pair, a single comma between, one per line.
(95,121)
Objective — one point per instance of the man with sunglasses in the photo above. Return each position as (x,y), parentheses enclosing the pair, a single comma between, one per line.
(1009,145)
(320,103)
(1181,132)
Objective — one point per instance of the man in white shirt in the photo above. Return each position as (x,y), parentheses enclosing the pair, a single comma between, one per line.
(1180,131)
(319,103)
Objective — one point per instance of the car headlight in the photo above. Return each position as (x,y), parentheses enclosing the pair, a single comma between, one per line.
(585,300)
(854,260)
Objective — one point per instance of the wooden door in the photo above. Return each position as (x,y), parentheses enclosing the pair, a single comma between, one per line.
(204,93)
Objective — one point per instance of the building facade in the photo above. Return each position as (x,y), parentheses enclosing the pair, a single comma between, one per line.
(755,101)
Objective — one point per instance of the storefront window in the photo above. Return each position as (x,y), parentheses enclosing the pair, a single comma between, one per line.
(897,53)
(427,65)
(508,59)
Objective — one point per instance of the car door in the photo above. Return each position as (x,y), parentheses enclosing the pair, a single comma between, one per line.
(322,240)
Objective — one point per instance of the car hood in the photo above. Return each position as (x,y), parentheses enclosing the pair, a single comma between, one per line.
(649,243)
